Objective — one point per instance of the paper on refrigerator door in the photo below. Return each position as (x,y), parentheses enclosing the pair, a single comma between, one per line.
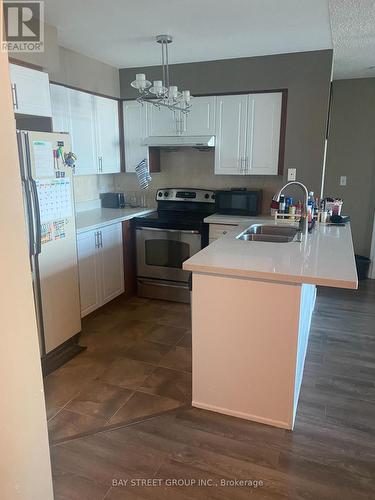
(43,159)
(55,199)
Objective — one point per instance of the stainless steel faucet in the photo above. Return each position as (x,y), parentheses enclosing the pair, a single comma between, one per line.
(303,222)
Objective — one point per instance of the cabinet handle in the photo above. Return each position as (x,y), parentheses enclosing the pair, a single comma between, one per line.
(242,168)
(14,96)
(247,165)
(100,159)
(100,239)
(97,239)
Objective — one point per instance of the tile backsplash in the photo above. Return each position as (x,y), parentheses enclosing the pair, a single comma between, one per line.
(189,167)
(87,189)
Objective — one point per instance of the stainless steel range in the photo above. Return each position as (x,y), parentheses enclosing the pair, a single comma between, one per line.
(168,237)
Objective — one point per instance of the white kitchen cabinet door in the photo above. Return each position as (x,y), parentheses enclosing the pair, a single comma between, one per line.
(263,133)
(230,147)
(60,108)
(108,139)
(135,118)
(112,263)
(161,121)
(30,90)
(89,272)
(201,118)
(83,132)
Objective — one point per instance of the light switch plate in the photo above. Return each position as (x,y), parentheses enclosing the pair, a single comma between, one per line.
(292,174)
(343,180)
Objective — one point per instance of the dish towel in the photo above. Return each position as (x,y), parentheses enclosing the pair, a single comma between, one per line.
(143,173)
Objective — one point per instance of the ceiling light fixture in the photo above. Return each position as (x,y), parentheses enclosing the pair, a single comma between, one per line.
(160,92)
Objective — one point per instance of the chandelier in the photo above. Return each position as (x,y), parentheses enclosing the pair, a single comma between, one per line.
(160,92)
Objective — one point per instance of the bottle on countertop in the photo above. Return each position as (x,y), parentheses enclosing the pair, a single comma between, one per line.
(288,203)
(282,204)
(310,206)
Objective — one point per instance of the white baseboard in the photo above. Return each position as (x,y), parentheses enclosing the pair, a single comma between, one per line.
(244,416)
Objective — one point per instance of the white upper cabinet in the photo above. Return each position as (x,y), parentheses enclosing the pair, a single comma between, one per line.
(264,123)
(93,125)
(161,121)
(60,108)
(230,147)
(135,129)
(108,135)
(248,134)
(30,91)
(201,118)
(83,132)
(199,121)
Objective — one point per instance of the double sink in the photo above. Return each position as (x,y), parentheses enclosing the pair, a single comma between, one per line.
(270,234)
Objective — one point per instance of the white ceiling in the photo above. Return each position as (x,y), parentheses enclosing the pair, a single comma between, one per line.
(353,34)
(121,32)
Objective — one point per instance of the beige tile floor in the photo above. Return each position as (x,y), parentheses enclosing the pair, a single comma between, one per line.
(137,364)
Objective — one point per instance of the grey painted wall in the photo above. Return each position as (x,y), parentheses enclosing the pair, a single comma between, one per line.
(351,152)
(307,77)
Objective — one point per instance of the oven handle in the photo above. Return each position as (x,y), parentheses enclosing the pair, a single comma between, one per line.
(184,231)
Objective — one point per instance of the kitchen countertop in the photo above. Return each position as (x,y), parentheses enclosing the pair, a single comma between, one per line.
(228,219)
(325,257)
(99,217)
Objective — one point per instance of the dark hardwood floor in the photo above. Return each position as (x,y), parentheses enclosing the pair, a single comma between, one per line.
(330,455)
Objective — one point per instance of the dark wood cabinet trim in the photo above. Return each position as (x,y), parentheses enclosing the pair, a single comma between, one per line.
(284,105)
(121,136)
(240,92)
(17,62)
(129,249)
(154,159)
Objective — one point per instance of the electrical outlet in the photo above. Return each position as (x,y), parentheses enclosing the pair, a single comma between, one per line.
(343,180)
(292,174)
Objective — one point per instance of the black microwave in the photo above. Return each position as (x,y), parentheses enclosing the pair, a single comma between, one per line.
(239,202)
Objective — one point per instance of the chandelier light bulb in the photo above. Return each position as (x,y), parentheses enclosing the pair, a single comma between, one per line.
(160,93)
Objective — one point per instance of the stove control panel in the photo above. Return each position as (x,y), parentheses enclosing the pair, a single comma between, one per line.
(185,194)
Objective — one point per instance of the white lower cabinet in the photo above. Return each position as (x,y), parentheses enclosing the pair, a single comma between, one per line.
(101,266)
(112,260)
(216,231)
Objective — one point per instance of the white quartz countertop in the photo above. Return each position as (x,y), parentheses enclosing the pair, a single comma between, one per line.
(228,219)
(324,257)
(99,217)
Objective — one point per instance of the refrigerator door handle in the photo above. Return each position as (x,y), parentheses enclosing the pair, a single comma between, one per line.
(38,225)
(27,196)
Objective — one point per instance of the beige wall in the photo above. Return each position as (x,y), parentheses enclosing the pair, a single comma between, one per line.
(72,68)
(24,463)
(351,152)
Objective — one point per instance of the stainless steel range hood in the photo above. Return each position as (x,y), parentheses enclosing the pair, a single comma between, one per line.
(193,141)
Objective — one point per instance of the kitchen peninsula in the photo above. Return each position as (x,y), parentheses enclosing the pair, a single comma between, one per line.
(252,304)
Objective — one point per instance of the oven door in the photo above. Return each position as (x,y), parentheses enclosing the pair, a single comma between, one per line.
(161,252)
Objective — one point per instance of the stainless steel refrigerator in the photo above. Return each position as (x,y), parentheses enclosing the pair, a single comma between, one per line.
(49,211)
